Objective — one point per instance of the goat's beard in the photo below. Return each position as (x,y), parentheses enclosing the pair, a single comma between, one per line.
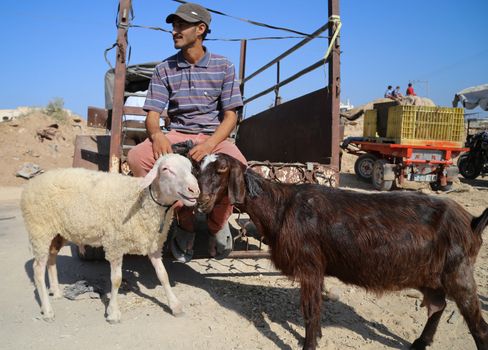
(207,206)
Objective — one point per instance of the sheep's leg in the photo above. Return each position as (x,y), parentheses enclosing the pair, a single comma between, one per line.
(462,288)
(435,301)
(174,303)
(113,311)
(39,279)
(56,244)
(311,300)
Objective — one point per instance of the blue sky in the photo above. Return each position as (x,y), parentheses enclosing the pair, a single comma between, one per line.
(55,49)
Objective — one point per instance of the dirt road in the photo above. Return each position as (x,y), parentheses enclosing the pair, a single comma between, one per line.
(229,304)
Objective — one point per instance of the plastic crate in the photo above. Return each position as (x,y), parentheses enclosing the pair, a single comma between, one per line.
(369,123)
(420,125)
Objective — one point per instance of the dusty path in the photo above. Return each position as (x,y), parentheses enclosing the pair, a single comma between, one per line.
(229,304)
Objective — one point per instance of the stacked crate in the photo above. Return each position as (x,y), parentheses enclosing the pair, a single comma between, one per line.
(421,125)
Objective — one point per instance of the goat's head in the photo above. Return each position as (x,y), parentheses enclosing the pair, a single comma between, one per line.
(220,175)
(172,180)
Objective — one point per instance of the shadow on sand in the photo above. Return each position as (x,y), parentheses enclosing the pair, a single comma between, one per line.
(260,305)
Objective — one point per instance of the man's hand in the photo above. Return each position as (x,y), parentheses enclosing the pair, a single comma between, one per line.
(160,145)
(198,152)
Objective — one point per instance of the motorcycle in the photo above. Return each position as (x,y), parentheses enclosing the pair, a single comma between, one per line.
(475,162)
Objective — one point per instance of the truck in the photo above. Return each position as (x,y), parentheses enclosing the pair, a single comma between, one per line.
(408,143)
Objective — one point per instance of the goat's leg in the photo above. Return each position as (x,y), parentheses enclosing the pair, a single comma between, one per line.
(56,244)
(174,303)
(461,286)
(113,311)
(39,279)
(311,300)
(435,301)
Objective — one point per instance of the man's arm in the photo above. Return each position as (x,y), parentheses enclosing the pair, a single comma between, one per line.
(160,143)
(221,133)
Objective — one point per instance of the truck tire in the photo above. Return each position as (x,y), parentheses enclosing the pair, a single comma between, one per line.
(363,167)
(378,180)
(467,169)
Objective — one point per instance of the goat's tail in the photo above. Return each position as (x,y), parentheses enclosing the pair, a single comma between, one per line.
(478,224)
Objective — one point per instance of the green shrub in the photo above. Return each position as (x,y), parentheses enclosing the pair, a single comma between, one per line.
(55,109)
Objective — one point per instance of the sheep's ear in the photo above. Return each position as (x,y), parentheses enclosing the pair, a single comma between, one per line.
(237,186)
(151,175)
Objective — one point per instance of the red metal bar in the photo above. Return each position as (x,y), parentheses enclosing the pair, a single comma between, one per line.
(119,85)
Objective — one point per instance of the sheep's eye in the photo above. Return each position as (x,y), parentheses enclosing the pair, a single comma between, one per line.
(165,169)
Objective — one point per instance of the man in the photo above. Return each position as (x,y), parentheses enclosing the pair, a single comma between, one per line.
(202,94)
(396,94)
(389,92)
(410,91)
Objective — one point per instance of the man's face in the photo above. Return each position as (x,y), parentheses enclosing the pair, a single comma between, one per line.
(186,34)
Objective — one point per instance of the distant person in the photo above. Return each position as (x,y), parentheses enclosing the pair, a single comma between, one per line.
(389,92)
(410,91)
(397,95)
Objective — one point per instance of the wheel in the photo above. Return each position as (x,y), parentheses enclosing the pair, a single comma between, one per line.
(467,169)
(90,254)
(436,186)
(363,167)
(378,180)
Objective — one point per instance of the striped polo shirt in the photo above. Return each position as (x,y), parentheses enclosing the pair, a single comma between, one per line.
(196,95)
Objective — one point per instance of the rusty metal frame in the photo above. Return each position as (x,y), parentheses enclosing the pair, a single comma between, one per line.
(123,22)
(334,87)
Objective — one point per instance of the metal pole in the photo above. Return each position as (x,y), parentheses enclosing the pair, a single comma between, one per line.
(242,72)
(334,88)
(277,90)
(119,85)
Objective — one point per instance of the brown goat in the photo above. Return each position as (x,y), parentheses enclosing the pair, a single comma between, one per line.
(380,241)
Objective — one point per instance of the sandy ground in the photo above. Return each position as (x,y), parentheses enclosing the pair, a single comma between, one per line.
(229,304)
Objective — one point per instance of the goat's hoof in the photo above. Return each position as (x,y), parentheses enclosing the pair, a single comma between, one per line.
(418,344)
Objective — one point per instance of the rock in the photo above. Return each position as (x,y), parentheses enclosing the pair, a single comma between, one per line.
(29,170)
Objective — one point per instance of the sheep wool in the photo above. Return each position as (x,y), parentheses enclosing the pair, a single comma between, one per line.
(92,208)
(125,215)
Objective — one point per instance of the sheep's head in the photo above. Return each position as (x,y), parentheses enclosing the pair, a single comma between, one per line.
(172,180)
(220,175)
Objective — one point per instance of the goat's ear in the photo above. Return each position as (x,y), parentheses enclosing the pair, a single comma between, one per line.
(151,175)
(237,185)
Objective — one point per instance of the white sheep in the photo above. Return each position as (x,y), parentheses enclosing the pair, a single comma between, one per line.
(125,215)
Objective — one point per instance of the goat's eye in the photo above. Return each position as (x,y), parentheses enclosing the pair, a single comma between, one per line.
(222,170)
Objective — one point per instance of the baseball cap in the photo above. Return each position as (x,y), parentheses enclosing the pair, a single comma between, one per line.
(192,13)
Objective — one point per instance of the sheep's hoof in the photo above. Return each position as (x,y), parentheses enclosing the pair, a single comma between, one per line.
(113,316)
(113,319)
(48,316)
(56,294)
(177,311)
